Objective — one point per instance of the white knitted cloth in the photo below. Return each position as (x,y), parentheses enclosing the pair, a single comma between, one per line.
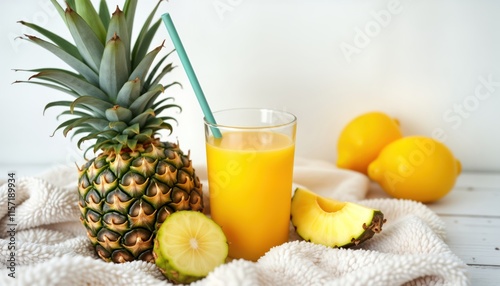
(51,247)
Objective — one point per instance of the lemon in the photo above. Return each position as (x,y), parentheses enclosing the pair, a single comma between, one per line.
(363,138)
(417,168)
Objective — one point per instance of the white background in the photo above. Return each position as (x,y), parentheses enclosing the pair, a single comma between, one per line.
(423,62)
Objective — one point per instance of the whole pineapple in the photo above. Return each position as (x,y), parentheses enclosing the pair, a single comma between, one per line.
(136,180)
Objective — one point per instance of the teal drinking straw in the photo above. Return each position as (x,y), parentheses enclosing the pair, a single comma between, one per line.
(167,20)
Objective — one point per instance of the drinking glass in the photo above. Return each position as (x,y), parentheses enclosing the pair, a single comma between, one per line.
(250,155)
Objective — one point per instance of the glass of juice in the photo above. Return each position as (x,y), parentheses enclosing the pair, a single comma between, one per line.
(250,155)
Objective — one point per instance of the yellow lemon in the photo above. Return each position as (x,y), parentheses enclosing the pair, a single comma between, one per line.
(417,168)
(363,138)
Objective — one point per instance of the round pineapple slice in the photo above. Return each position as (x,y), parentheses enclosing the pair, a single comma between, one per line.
(188,246)
(333,223)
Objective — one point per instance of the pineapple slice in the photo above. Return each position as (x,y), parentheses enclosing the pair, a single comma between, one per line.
(333,223)
(188,246)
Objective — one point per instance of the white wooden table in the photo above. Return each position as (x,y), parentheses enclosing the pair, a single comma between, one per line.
(472,215)
(471,212)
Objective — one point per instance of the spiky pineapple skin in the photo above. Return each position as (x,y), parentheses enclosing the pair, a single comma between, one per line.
(124,197)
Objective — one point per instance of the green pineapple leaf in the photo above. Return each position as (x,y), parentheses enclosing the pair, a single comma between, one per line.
(155,69)
(118,26)
(97,105)
(118,126)
(81,120)
(167,69)
(132,130)
(172,84)
(166,126)
(68,125)
(129,10)
(87,11)
(117,147)
(160,105)
(64,124)
(114,70)
(53,86)
(142,102)
(168,118)
(161,101)
(118,113)
(143,117)
(59,9)
(75,63)
(101,143)
(159,123)
(132,143)
(167,106)
(56,39)
(122,139)
(108,134)
(144,136)
(165,119)
(153,122)
(141,48)
(129,92)
(98,124)
(104,13)
(144,38)
(90,46)
(63,103)
(71,81)
(142,68)
(71,4)
(83,129)
(74,113)
(114,83)
(66,103)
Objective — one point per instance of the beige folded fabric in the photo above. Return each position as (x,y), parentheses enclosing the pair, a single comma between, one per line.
(52,247)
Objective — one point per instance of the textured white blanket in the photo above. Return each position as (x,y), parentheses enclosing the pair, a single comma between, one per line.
(51,247)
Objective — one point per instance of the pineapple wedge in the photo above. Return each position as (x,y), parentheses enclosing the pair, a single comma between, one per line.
(333,223)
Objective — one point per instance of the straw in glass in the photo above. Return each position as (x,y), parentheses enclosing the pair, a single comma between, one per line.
(167,20)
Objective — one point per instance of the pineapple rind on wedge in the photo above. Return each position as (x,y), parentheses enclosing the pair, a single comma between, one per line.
(333,223)
(135,180)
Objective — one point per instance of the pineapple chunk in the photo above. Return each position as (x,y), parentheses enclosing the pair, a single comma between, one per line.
(333,223)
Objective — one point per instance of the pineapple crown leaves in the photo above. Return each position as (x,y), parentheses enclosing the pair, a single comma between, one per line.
(114,83)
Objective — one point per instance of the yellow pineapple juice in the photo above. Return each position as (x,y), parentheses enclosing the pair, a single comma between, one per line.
(250,183)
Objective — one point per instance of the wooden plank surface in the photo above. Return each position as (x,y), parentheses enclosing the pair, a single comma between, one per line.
(475,240)
(484,275)
(472,216)
(479,180)
(470,201)
(471,212)
(475,194)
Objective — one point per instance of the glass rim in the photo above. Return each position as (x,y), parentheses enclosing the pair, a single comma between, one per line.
(293,119)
